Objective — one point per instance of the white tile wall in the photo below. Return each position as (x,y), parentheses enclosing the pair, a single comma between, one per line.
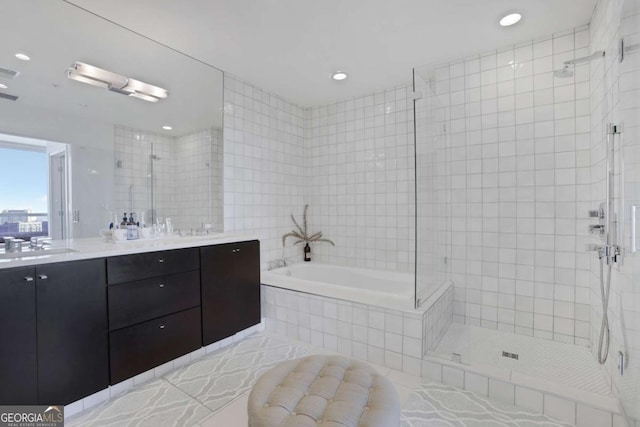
(390,338)
(199,179)
(264,165)
(519,165)
(437,320)
(187,176)
(360,179)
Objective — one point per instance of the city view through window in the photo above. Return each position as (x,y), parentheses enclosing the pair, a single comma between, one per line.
(24,188)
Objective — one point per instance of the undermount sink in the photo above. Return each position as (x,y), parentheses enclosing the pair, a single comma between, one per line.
(26,253)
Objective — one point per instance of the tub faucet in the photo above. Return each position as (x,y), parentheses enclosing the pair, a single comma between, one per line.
(276,263)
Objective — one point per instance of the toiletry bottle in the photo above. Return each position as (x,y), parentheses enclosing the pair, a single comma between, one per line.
(132,229)
(307,253)
(123,223)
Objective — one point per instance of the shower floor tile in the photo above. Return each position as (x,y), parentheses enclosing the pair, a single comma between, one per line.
(565,364)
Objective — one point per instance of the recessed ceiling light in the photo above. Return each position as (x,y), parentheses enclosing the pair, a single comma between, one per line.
(510,19)
(339,75)
(167,127)
(3,86)
(22,57)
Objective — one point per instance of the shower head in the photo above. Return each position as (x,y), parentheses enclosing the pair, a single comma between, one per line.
(565,72)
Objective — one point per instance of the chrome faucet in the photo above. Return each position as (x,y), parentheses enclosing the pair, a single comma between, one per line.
(38,243)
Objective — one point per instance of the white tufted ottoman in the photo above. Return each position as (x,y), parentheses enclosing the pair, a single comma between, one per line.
(323,391)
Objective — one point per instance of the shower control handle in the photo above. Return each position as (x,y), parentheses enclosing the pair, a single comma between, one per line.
(596,229)
(596,214)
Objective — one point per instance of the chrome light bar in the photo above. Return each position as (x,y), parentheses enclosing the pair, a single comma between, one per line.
(85,73)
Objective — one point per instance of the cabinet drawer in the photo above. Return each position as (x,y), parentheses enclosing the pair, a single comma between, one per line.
(129,268)
(141,347)
(135,302)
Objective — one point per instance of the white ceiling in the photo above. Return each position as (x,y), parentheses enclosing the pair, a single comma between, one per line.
(290,47)
(57,34)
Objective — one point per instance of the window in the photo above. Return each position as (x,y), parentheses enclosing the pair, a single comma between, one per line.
(24,190)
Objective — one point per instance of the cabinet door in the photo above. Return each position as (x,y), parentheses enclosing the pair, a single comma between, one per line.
(72,330)
(18,363)
(230,280)
(217,275)
(247,286)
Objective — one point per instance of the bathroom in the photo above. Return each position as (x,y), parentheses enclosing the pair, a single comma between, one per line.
(460,189)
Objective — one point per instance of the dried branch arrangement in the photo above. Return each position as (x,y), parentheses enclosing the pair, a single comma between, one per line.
(300,233)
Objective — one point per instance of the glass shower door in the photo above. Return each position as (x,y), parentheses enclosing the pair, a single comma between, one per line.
(625,291)
(432,206)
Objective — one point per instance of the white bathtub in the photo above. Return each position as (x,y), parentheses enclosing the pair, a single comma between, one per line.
(372,287)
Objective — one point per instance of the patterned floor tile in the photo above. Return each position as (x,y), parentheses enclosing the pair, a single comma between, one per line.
(225,375)
(154,404)
(442,405)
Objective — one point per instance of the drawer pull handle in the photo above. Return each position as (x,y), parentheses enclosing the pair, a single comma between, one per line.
(235,250)
(161,326)
(161,285)
(43,277)
(28,279)
(161,260)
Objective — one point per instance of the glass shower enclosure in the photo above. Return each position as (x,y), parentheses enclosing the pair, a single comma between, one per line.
(432,190)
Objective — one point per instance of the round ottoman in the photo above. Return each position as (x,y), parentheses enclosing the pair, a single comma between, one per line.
(325,391)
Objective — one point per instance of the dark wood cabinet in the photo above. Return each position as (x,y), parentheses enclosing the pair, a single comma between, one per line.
(146,345)
(18,363)
(129,268)
(72,330)
(230,286)
(154,309)
(69,329)
(135,302)
(53,332)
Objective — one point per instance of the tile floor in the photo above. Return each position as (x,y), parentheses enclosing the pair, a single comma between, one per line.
(213,392)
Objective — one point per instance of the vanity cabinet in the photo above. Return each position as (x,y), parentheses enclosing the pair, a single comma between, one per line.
(54,332)
(69,329)
(230,282)
(154,309)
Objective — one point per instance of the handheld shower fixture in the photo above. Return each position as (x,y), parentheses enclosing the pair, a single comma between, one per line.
(609,252)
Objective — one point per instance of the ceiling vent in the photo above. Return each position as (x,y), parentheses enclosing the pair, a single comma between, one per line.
(8,97)
(8,74)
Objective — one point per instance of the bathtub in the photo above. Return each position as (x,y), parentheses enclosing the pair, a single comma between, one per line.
(364,286)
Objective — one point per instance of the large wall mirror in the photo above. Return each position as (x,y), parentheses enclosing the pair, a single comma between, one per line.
(100,121)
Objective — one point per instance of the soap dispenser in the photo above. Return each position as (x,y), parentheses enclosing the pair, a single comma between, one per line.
(132,228)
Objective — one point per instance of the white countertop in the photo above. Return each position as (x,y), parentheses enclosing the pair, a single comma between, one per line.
(99,248)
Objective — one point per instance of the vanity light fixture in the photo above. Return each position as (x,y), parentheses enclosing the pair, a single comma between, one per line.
(165,127)
(85,73)
(510,19)
(339,75)
(23,56)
